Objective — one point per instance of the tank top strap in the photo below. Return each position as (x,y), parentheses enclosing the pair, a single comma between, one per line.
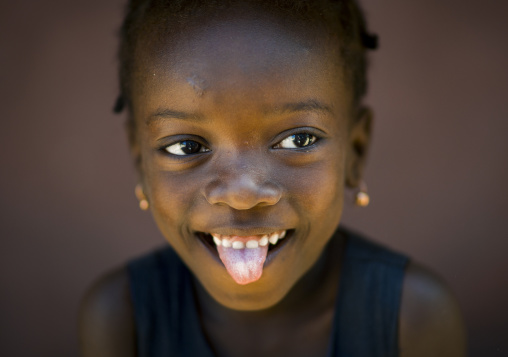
(165,316)
(368,302)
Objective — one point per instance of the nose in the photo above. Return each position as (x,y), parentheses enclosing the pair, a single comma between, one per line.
(242,187)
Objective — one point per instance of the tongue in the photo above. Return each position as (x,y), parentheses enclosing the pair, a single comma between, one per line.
(244,265)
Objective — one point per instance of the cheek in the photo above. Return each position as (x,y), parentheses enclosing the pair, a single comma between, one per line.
(171,196)
(320,187)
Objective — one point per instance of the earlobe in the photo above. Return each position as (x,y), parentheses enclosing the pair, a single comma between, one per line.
(359,139)
(140,195)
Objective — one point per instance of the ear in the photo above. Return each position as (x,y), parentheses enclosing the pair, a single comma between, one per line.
(359,139)
(134,147)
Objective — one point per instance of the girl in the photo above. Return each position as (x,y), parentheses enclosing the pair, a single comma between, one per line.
(246,124)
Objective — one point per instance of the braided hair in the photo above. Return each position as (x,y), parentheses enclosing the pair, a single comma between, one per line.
(343,16)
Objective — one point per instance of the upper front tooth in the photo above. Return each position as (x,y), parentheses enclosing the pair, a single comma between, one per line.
(217,240)
(263,241)
(252,244)
(238,245)
(274,237)
(226,243)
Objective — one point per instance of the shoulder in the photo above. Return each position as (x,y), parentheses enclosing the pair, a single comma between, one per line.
(430,319)
(106,319)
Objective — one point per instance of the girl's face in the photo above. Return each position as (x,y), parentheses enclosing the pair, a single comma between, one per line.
(242,130)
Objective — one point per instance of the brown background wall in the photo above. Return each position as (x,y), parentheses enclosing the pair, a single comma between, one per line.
(438,170)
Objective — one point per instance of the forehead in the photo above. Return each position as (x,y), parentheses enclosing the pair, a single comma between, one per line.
(242,49)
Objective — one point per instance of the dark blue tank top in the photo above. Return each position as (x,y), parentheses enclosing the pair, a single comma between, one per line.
(366,311)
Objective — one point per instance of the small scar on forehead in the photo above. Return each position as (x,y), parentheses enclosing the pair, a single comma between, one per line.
(198,84)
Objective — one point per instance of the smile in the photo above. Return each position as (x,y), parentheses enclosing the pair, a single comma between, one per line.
(244,256)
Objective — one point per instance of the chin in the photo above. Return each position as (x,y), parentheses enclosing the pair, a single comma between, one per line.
(251,297)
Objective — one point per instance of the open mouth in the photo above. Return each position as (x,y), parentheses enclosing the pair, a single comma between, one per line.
(244,257)
(275,241)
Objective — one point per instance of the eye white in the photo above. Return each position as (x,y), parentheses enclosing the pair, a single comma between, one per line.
(288,143)
(175,149)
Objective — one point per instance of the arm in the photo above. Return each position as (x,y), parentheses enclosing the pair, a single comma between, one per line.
(106,321)
(430,320)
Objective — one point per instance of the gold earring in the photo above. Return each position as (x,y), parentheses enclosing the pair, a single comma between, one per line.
(143,202)
(362,198)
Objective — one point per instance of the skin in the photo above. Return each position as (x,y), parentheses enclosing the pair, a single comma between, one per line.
(239,88)
(244,185)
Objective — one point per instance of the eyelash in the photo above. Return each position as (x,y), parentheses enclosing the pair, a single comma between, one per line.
(308,138)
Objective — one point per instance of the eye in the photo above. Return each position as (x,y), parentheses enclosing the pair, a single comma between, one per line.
(187,147)
(296,141)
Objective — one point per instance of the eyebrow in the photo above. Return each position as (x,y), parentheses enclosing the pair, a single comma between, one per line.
(311,105)
(172,114)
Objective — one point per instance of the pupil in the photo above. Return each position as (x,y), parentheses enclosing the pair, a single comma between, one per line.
(190,147)
(302,140)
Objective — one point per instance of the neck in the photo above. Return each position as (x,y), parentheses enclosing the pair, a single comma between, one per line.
(314,293)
